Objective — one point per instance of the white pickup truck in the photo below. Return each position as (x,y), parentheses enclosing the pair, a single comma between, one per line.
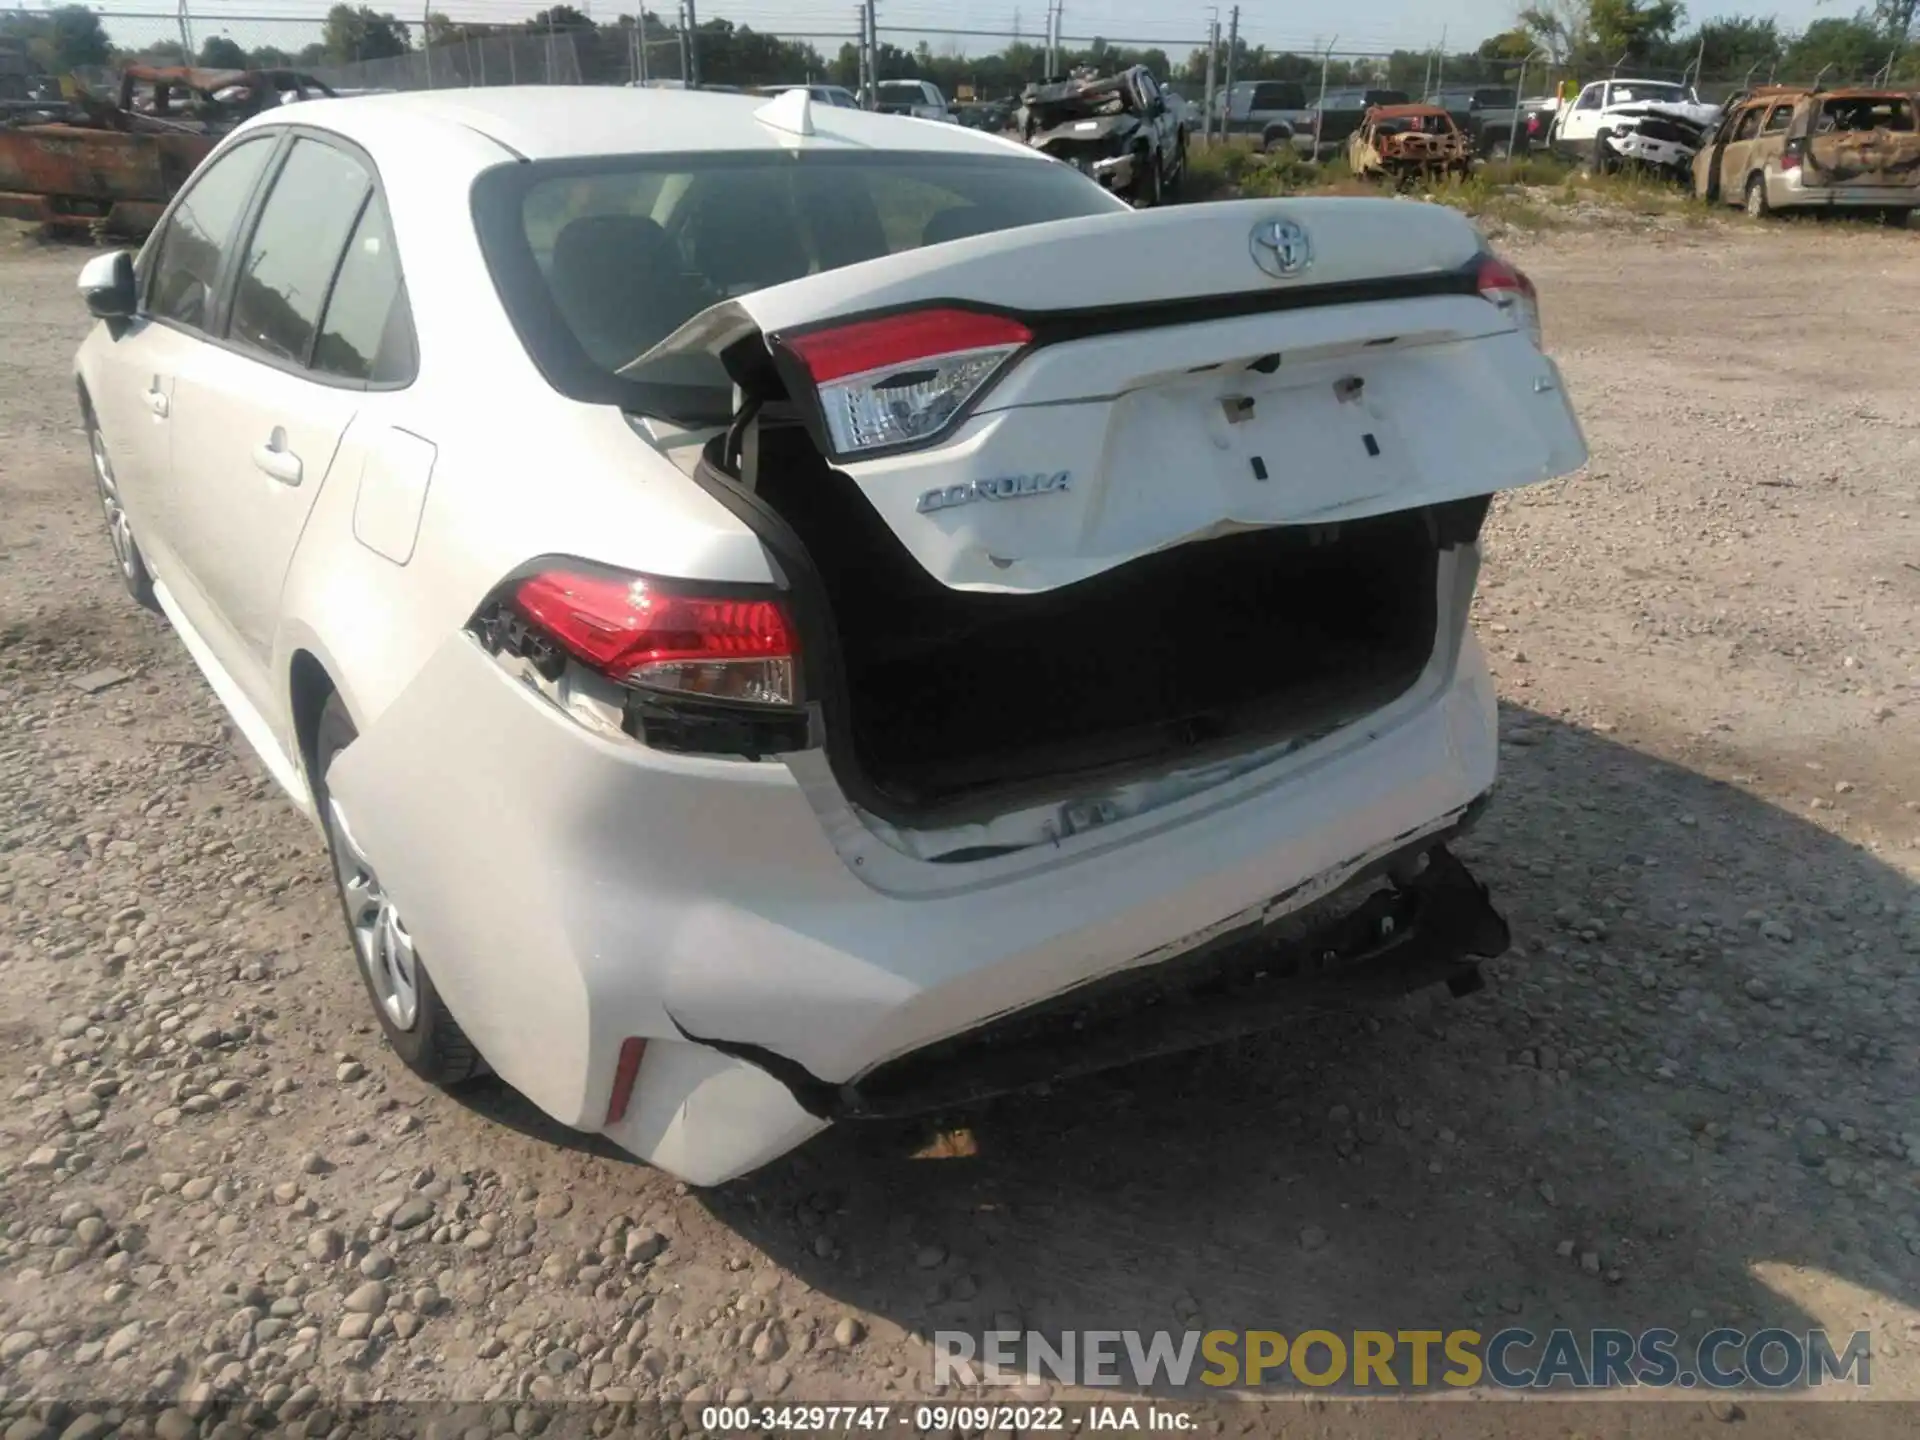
(1655,122)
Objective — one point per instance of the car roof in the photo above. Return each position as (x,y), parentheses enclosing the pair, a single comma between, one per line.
(1405,112)
(546,122)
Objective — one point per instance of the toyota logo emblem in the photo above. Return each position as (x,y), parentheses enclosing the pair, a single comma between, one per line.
(1281,248)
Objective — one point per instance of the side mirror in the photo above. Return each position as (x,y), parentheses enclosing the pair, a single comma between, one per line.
(106,284)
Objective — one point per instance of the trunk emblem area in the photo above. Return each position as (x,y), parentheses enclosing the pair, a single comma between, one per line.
(1002,487)
(1281,248)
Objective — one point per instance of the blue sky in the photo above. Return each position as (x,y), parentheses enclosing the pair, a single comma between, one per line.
(1359,25)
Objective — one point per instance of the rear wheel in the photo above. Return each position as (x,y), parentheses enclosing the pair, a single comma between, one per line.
(126,551)
(1757,205)
(422,1032)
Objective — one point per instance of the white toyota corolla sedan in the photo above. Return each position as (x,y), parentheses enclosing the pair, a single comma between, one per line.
(787,614)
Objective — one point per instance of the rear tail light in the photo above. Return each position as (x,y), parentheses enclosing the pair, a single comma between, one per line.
(677,666)
(1510,290)
(903,379)
(632,630)
(1792,155)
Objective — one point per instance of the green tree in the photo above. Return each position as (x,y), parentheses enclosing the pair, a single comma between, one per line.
(1735,45)
(61,40)
(1897,18)
(1631,29)
(562,17)
(1845,49)
(269,57)
(220,53)
(359,33)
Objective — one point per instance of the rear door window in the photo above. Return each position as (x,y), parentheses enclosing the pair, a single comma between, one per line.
(1778,119)
(295,249)
(200,234)
(1884,112)
(367,333)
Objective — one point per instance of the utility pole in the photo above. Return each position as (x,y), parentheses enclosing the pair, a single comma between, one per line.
(1213,50)
(693,48)
(426,40)
(186,35)
(1440,69)
(1233,47)
(870,29)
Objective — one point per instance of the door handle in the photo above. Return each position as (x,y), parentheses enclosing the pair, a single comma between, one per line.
(157,403)
(276,460)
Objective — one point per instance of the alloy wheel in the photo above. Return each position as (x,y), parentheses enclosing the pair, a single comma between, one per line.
(119,529)
(380,936)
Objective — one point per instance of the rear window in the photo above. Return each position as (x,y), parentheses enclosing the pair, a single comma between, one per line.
(598,261)
(1643,93)
(1877,112)
(1279,97)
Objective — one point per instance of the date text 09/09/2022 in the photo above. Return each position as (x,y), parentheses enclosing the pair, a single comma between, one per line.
(941,1419)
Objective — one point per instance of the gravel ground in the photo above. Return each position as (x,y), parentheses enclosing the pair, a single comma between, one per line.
(1687,1098)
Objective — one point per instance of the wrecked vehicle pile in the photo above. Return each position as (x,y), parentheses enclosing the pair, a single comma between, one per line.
(1117,128)
(108,167)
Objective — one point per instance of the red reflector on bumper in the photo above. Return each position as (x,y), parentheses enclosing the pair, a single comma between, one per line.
(632,1049)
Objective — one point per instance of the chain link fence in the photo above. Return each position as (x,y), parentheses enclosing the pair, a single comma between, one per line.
(381,52)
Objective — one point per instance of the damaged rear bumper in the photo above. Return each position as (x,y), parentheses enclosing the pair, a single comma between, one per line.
(592,892)
(1433,926)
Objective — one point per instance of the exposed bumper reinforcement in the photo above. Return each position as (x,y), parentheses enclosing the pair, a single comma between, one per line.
(1429,928)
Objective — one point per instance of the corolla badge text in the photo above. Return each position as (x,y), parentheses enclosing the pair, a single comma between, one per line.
(1002,487)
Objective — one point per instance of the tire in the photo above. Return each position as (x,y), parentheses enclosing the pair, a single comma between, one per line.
(1603,159)
(1757,205)
(1147,189)
(127,558)
(1275,140)
(417,1024)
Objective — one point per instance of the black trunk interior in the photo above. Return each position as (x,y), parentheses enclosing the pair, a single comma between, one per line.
(958,702)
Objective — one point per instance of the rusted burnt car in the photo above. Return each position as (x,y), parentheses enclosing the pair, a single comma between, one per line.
(110,166)
(1403,142)
(1789,148)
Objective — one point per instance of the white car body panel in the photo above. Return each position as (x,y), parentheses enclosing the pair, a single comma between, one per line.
(571,891)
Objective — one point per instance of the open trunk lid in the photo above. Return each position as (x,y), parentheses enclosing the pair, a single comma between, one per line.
(1156,378)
